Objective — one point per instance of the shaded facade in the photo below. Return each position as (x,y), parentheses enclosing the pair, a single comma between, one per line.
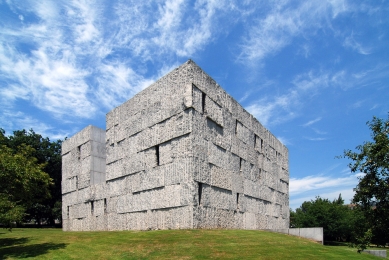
(180,154)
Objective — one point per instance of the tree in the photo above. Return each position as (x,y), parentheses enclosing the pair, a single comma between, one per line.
(372,191)
(48,153)
(334,217)
(22,182)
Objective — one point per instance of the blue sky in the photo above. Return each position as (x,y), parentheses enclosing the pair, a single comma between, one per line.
(313,72)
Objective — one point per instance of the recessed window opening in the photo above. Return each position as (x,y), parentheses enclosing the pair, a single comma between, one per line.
(200,191)
(237,200)
(68,211)
(79,152)
(203,101)
(105,205)
(92,208)
(157,153)
(240,164)
(236,127)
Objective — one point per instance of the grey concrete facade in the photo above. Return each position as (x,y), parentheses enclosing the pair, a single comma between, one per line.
(314,233)
(180,154)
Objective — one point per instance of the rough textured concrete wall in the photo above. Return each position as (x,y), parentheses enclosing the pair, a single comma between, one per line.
(241,169)
(180,154)
(83,178)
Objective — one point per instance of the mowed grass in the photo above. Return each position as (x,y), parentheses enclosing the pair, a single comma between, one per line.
(165,244)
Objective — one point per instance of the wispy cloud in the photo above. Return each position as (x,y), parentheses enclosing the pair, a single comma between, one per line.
(315,138)
(22,121)
(281,108)
(317,182)
(84,54)
(270,34)
(284,140)
(274,110)
(312,122)
(319,131)
(325,185)
(350,42)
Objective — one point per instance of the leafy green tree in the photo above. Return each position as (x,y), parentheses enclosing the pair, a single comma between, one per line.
(48,153)
(333,216)
(22,182)
(372,192)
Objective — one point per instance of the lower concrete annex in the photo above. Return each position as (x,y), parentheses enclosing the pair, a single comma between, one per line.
(180,154)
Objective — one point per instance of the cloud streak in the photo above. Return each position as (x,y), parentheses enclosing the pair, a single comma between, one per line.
(285,21)
(309,123)
(75,62)
(325,186)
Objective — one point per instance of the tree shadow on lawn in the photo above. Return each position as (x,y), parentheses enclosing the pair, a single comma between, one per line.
(335,243)
(16,247)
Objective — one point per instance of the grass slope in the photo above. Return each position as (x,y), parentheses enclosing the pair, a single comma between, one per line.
(166,244)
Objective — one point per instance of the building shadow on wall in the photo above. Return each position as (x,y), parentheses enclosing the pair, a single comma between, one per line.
(18,248)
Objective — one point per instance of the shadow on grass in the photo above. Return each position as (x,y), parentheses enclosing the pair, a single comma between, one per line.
(335,243)
(16,247)
(12,241)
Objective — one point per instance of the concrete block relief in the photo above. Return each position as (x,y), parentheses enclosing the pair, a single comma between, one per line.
(180,154)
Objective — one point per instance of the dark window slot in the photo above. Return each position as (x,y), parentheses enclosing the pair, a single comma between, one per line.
(68,211)
(105,205)
(200,192)
(237,200)
(240,164)
(92,207)
(203,101)
(79,152)
(157,153)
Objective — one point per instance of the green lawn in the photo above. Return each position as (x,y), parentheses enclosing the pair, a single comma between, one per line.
(167,244)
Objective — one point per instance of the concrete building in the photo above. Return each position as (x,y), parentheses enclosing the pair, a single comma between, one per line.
(180,154)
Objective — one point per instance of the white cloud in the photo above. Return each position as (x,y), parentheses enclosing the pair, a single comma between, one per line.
(318,182)
(316,138)
(324,185)
(350,42)
(284,140)
(22,121)
(319,131)
(275,110)
(312,122)
(347,195)
(285,21)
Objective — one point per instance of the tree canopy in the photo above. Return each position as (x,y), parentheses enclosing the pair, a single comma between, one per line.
(333,216)
(46,156)
(372,192)
(22,183)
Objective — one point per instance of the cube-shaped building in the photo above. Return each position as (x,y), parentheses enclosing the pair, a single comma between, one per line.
(180,154)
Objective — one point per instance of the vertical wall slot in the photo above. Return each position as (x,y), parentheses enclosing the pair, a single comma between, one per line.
(157,153)
(203,101)
(240,164)
(79,152)
(237,200)
(105,205)
(92,207)
(200,192)
(236,127)
(68,211)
